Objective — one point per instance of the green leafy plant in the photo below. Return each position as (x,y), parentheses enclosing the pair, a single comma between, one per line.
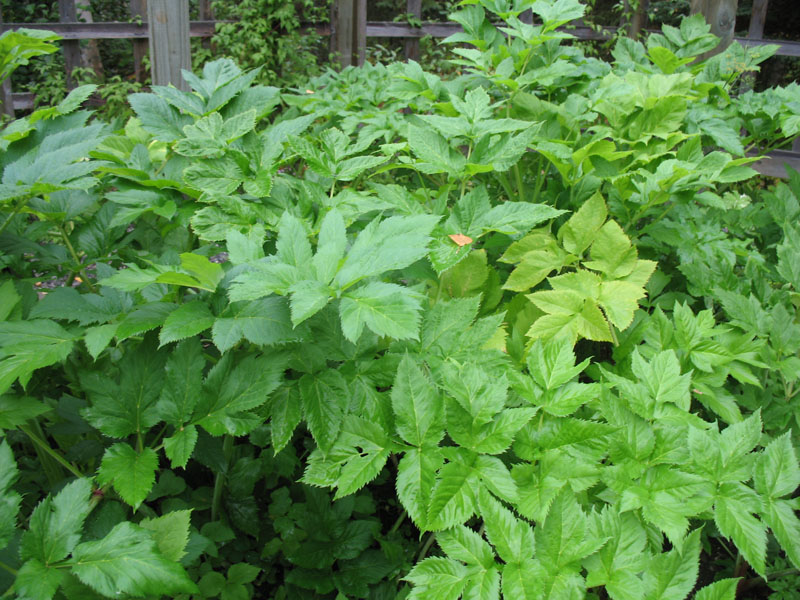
(525,333)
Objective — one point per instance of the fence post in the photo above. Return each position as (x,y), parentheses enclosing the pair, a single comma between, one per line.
(721,15)
(169,41)
(139,10)
(412,44)
(349,31)
(757,18)
(6,99)
(71,48)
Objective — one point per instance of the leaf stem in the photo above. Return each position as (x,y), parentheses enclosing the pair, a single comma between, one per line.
(8,568)
(50,452)
(14,213)
(399,521)
(219,480)
(426,546)
(77,260)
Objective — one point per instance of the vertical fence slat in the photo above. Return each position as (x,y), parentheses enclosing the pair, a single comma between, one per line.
(757,18)
(360,33)
(6,99)
(342,41)
(412,44)
(71,48)
(139,10)
(169,41)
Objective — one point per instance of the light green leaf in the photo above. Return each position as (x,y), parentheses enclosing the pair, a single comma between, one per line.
(781,517)
(330,247)
(415,480)
(56,524)
(418,408)
(308,298)
(132,473)
(234,387)
(724,589)
(264,322)
(15,411)
(126,561)
(672,575)
(179,446)
(171,533)
(777,472)
(512,538)
(325,400)
(35,580)
(186,321)
(437,578)
(387,245)
(523,580)
(466,545)
(387,309)
(581,229)
(733,514)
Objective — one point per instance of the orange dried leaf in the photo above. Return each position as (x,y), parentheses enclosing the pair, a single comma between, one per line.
(460,239)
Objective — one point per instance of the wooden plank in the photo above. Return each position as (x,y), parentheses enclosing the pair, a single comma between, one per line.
(360,32)
(23,101)
(757,18)
(6,101)
(71,48)
(139,11)
(411,45)
(344,32)
(111,30)
(169,41)
(774,164)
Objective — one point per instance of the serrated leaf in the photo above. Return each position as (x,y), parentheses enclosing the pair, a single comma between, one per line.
(15,411)
(672,575)
(466,545)
(415,480)
(126,561)
(29,345)
(186,321)
(611,252)
(98,338)
(733,514)
(179,446)
(418,408)
(171,533)
(437,578)
(308,297)
(387,309)
(286,411)
(387,245)
(781,517)
(724,589)
(523,580)
(264,322)
(158,117)
(35,580)
(777,472)
(580,230)
(132,473)
(233,388)
(56,524)
(325,399)
(512,538)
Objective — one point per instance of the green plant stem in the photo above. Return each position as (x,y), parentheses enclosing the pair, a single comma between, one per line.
(6,567)
(398,522)
(77,260)
(43,445)
(426,546)
(540,178)
(13,214)
(520,190)
(219,480)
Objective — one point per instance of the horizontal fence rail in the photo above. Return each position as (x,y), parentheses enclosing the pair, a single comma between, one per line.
(108,30)
(377,29)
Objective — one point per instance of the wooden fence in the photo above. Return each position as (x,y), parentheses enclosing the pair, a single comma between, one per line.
(165,30)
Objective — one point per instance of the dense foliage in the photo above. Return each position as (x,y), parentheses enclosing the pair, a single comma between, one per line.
(528,333)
